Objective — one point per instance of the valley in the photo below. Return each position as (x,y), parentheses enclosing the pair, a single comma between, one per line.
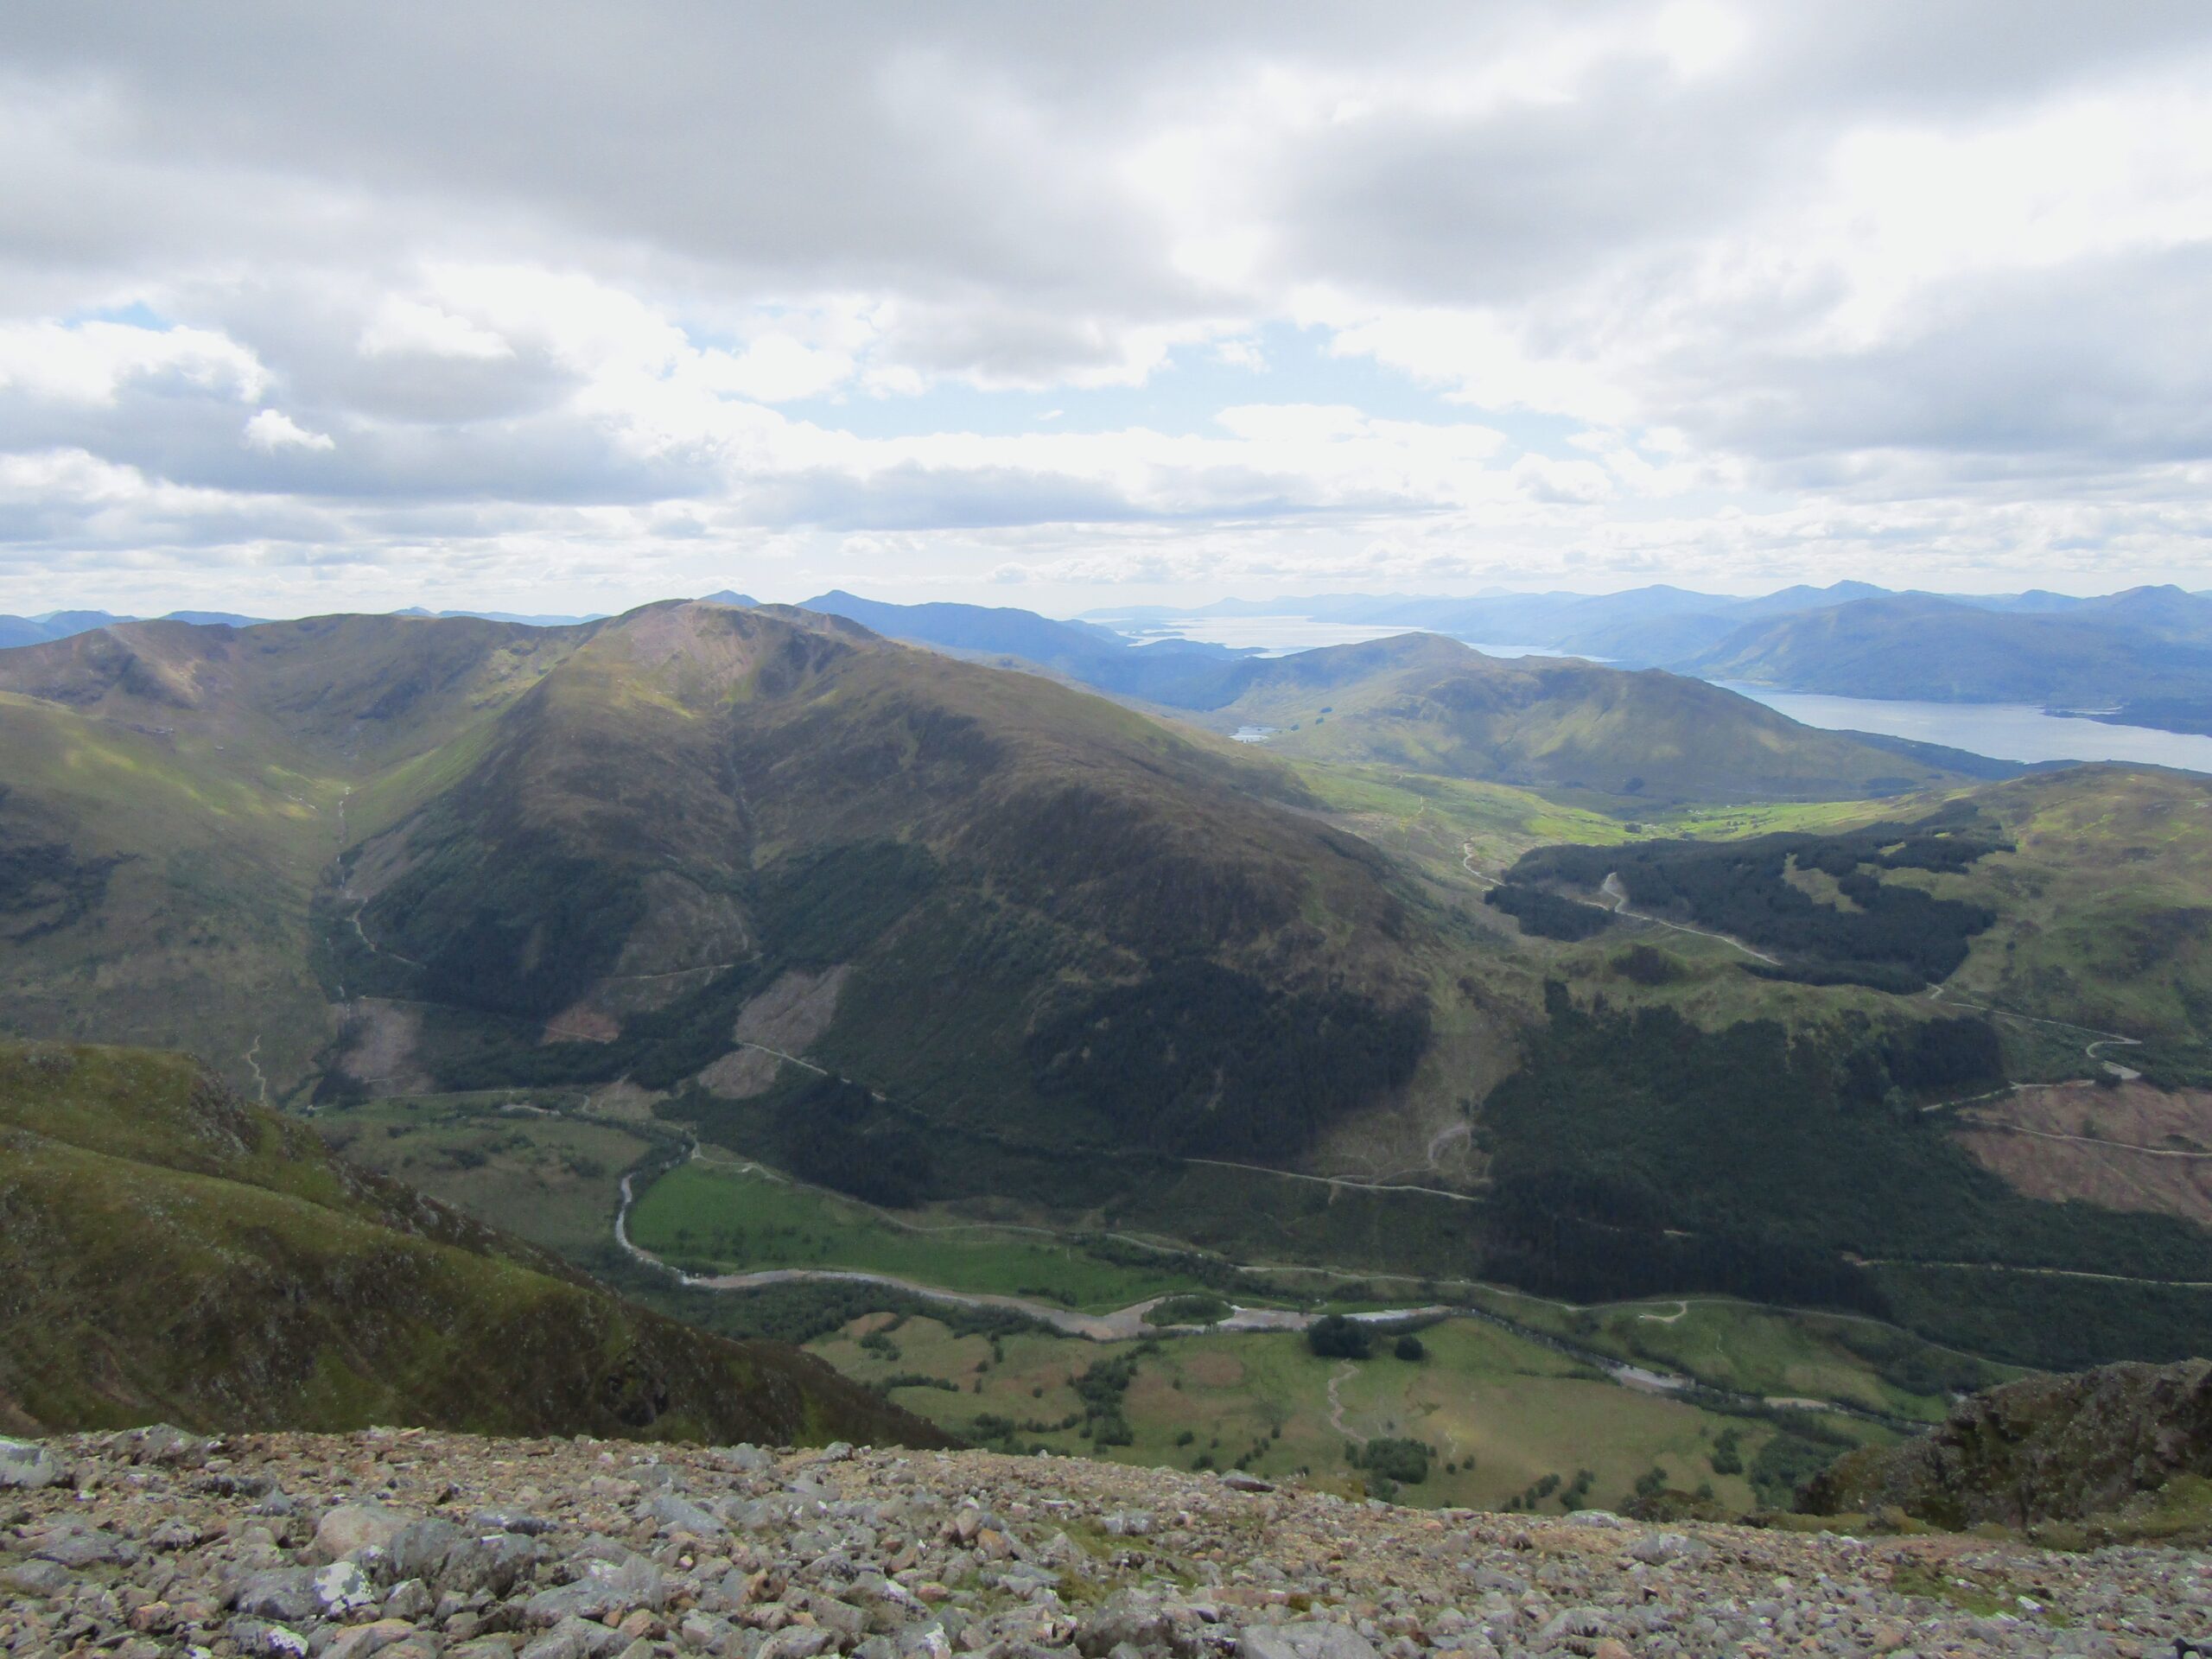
(1671,1066)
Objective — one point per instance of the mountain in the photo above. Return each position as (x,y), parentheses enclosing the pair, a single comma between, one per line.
(2131,647)
(60,624)
(1430,704)
(985,630)
(170,1253)
(1030,912)
(924,930)
(1423,701)
(580,854)
(171,797)
(2125,1448)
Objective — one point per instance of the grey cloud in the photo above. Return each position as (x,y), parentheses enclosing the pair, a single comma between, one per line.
(2000,381)
(274,170)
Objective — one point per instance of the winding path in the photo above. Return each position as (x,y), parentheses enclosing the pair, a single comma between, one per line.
(2102,1039)
(1612,888)
(1337,1379)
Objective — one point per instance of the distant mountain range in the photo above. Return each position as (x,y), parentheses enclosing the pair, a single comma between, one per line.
(1420,700)
(2144,657)
(63,625)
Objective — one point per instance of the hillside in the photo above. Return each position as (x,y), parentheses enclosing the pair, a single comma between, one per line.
(1032,912)
(2123,1450)
(969,869)
(171,795)
(1427,703)
(2141,646)
(953,940)
(169,1252)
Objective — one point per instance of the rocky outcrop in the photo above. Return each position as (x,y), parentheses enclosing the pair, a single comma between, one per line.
(402,1544)
(2049,1448)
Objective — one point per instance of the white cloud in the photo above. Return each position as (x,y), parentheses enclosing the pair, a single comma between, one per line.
(1687,288)
(271,430)
(404,325)
(90,363)
(777,369)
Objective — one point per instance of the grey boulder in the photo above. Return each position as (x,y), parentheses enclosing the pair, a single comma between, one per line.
(1309,1639)
(29,1465)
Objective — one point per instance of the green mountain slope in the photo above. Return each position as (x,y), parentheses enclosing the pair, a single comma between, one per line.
(1026,909)
(170,794)
(1431,704)
(169,1252)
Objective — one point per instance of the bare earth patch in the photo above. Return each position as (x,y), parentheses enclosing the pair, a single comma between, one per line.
(382,1050)
(580,1022)
(740,1074)
(792,1014)
(2129,1148)
(625,1100)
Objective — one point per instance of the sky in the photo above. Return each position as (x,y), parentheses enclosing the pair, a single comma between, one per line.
(551,307)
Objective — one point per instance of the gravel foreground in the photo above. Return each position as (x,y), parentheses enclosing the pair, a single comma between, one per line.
(412,1545)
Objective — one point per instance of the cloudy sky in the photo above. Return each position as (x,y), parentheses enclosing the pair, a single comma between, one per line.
(558,307)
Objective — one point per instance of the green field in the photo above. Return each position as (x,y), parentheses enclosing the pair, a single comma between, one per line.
(1502,1412)
(1769,1352)
(553,1180)
(730,1219)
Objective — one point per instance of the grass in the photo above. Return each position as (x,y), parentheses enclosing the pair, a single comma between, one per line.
(2103,910)
(172,1254)
(1503,1411)
(554,1181)
(1979,1590)
(1768,1353)
(199,937)
(738,1218)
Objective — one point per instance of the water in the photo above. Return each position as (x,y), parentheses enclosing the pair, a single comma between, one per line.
(2009,731)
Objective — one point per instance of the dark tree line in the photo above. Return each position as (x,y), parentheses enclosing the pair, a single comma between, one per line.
(1546,914)
(1893,936)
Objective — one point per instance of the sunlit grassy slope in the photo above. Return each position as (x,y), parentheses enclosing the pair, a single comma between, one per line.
(1627,741)
(170,1252)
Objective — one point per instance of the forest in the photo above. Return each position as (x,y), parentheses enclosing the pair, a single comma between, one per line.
(1637,1154)
(1543,913)
(1196,1057)
(1885,934)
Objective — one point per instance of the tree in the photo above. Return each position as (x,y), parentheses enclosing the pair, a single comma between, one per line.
(1334,1337)
(1410,1348)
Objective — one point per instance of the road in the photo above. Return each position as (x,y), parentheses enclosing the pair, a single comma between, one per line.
(1120,1325)
(2101,1038)
(1611,888)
